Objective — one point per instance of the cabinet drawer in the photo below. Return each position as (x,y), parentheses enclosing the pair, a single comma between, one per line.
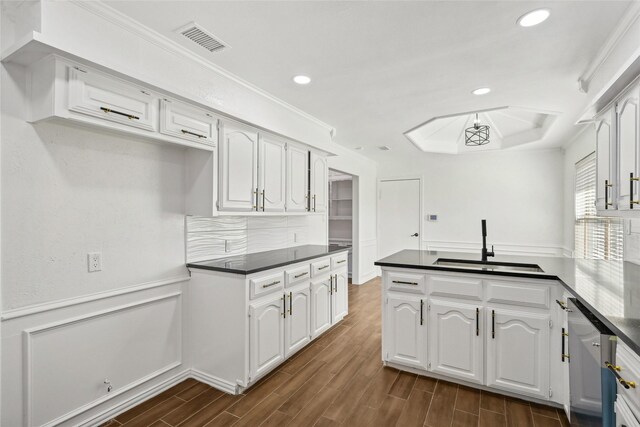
(297,275)
(406,282)
(629,369)
(266,285)
(518,293)
(108,98)
(187,122)
(455,287)
(339,260)
(624,415)
(321,267)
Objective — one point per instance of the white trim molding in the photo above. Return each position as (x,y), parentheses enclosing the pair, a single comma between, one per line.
(500,248)
(215,382)
(54,305)
(628,19)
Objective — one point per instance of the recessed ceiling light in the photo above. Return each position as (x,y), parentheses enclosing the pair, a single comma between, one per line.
(302,80)
(534,17)
(481,91)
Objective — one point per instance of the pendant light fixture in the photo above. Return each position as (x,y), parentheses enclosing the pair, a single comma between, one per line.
(477,134)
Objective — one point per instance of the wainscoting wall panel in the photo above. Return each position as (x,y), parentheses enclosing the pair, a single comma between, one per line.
(55,361)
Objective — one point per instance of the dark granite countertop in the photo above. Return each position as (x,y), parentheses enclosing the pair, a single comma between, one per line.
(261,261)
(609,289)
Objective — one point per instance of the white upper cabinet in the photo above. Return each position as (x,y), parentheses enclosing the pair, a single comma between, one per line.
(105,97)
(518,351)
(297,179)
(319,184)
(238,167)
(628,149)
(272,156)
(188,122)
(606,155)
(455,343)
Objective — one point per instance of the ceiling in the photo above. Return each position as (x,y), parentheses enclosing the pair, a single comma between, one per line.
(381,68)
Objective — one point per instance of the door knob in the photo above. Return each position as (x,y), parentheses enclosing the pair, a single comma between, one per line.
(414,235)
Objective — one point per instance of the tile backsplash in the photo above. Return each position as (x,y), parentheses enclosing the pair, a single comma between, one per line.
(224,236)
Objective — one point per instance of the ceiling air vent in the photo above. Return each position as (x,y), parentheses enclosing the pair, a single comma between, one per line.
(197,34)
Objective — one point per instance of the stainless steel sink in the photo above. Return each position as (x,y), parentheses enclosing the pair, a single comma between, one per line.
(492,266)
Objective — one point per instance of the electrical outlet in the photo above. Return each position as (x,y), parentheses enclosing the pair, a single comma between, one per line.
(94,260)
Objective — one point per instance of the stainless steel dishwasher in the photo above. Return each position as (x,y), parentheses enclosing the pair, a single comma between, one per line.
(592,385)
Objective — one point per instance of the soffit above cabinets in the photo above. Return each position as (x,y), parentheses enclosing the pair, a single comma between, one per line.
(508,127)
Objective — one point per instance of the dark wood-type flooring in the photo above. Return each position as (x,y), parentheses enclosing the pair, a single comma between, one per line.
(339,380)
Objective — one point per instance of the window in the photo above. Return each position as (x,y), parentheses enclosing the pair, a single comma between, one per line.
(596,237)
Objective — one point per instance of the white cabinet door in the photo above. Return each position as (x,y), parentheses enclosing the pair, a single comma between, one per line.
(405,334)
(319,186)
(238,167)
(297,326)
(297,179)
(108,98)
(340,295)
(455,341)
(320,306)
(187,122)
(272,166)
(605,154)
(518,351)
(628,149)
(266,334)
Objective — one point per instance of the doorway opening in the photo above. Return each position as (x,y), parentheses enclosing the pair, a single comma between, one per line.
(341,223)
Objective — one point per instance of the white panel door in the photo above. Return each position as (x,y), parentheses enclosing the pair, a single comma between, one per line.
(628,145)
(604,153)
(320,307)
(455,341)
(340,296)
(272,157)
(319,184)
(518,351)
(398,216)
(297,326)
(238,167)
(405,334)
(266,334)
(187,122)
(297,179)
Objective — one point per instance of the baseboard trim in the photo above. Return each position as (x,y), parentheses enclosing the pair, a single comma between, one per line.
(215,382)
(131,402)
(41,308)
(364,278)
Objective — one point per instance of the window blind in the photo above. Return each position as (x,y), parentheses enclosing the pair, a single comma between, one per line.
(596,237)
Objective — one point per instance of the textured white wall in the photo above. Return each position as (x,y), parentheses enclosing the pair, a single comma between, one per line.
(520,193)
(67,191)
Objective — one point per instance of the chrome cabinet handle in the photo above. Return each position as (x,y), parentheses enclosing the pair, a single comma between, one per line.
(421,309)
(323,267)
(341,261)
(314,202)
(335,283)
(120,113)
(255,197)
(263,197)
(186,132)
(493,324)
(284,305)
(563,305)
(402,282)
(613,368)
(563,355)
(330,285)
(268,285)
(290,303)
(477,321)
(607,186)
(300,275)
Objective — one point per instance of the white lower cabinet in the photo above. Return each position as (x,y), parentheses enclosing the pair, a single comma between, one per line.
(624,414)
(297,325)
(340,295)
(266,333)
(480,329)
(405,331)
(455,344)
(518,351)
(243,326)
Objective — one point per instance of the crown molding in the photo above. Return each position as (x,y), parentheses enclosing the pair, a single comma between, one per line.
(126,22)
(630,16)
